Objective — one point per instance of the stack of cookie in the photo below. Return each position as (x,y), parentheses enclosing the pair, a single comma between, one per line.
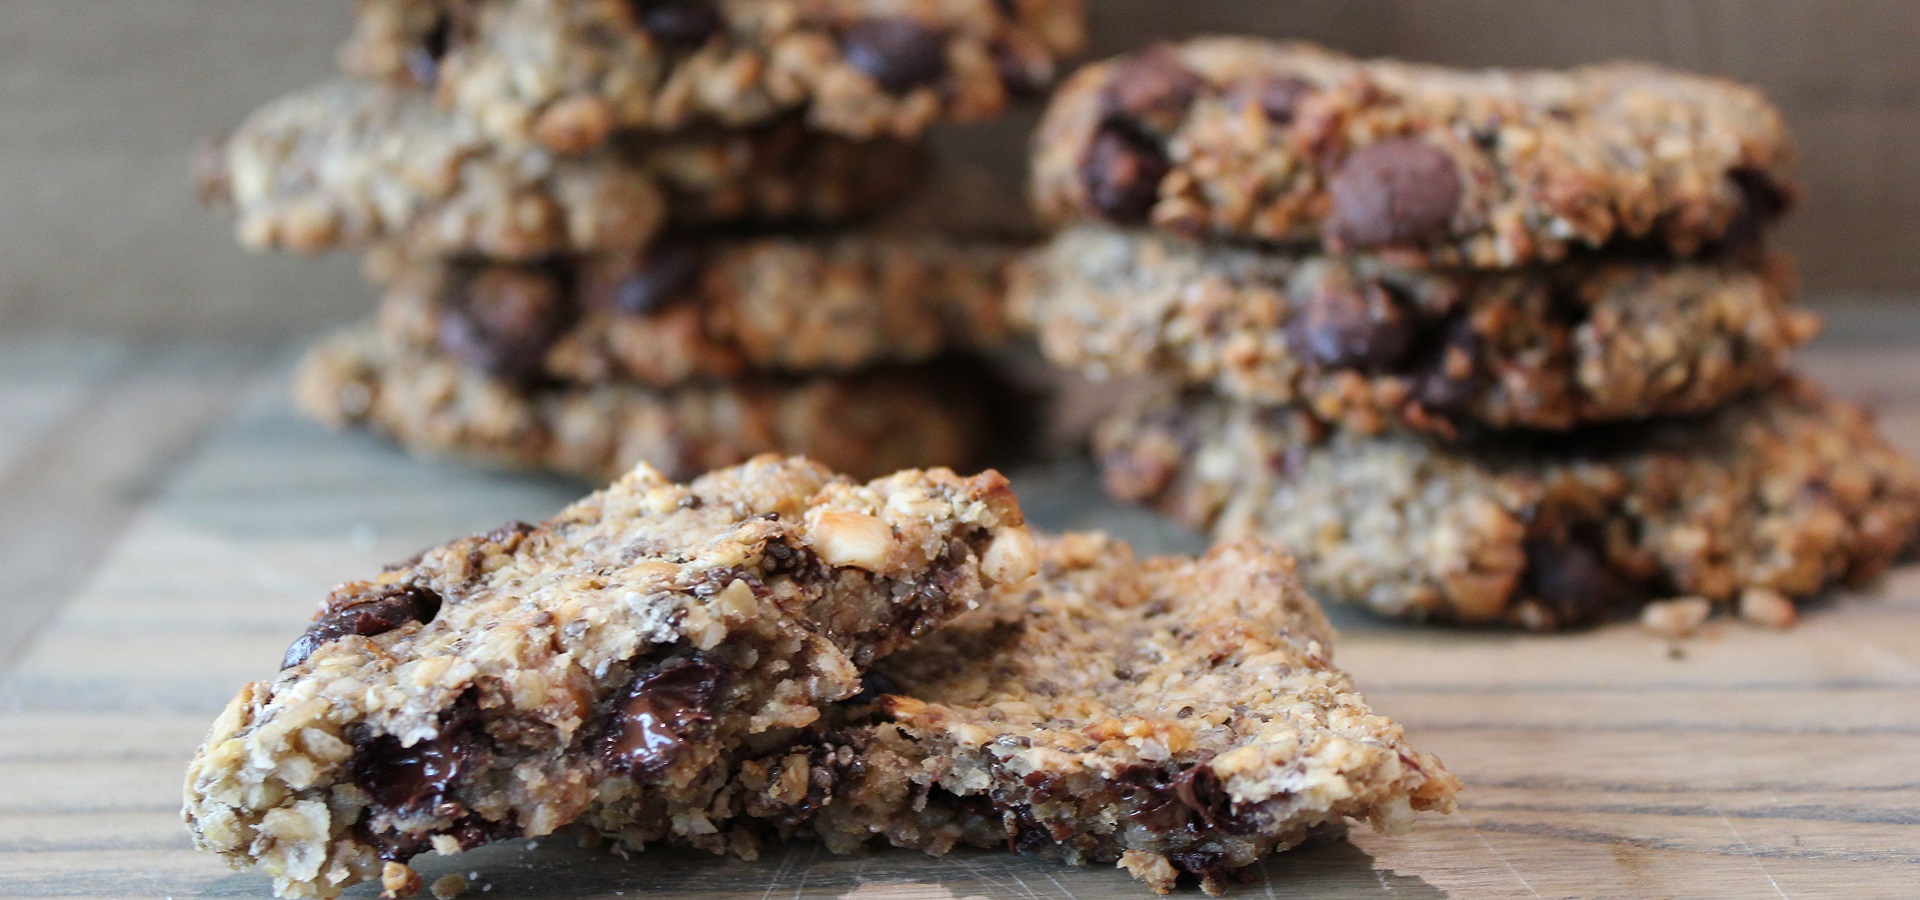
(1477,346)
(615,230)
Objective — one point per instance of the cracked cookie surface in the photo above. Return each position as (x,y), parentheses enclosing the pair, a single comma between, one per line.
(564,74)
(342,164)
(1245,139)
(602,667)
(866,424)
(692,309)
(1172,715)
(1370,343)
(1786,492)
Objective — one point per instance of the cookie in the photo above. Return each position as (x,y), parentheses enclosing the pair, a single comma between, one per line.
(566,75)
(1780,495)
(706,308)
(1246,139)
(1173,715)
(602,667)
(344,164)
(876,422)
(1369,342)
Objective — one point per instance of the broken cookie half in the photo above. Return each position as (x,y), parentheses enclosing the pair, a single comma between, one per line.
(605,667)
(1172,715)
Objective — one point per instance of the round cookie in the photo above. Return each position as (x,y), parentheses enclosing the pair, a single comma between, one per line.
(873,423)
(706,308)
(1784,493)
(1245,139)
(1370,342)
(343,164)
(566,75)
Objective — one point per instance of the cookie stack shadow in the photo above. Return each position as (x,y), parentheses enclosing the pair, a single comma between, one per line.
(679,233)
(1479,347)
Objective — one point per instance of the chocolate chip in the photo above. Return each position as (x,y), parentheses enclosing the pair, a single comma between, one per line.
(1344,326)
(1277,97)
(502,319)
(898,52)
(1394,191)
(386,609)
(1762,201)
(1201,791)
(680,23)
(1023,74)
(658,716)
(408,779)
(1208,864)
(1450,377)
(423,60)
(1151,89)
(667,271)
(1122,173)
(1574,583)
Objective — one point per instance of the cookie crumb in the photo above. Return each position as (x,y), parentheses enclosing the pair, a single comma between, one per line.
(399,881)
(1676,618)
(1763,606)
(447,887)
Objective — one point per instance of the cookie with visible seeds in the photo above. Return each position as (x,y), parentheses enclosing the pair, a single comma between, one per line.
(604,667)
(1172,715)
(566,75)
(1247,139)
(706,308)
(343,164)
(1369,342)
(433,404)
(1787,491)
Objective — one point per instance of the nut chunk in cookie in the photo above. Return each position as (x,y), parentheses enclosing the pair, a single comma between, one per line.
(1172,715)
(602,667)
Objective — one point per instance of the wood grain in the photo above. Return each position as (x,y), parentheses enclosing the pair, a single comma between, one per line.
(1744,762)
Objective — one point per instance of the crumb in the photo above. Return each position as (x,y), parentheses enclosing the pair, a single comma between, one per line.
(1676,618)
(399,881)
(1771,608)
(447,887)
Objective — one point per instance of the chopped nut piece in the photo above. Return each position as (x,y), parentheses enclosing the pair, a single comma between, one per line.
(852,539)
(399,881)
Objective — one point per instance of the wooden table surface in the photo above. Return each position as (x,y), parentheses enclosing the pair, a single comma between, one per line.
(166,524)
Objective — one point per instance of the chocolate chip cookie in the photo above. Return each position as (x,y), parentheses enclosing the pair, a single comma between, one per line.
(601,667)
(1783,493)
(1247,139)
(706,308)
(1369,342)
(429,403)
(344,164)
(567,75)
(1173,715)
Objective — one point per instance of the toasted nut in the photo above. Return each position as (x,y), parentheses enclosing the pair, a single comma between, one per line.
(398,881)
(1011,558)
(1771,608)
(852,539)
(1676,618)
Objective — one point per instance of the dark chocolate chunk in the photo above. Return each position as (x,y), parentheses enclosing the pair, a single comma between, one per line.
(503,319)
(1277,97)
(1024,75)
(659,715)
(1202,792)
(1367,326)
(899,52)
(423,60)
(1208,864)
(409,779)
(1122,173)
(666,272)
(1394,191)
(1762,202)
(1573,583)
(1152,89)
(1445,383)
(680,23)
(383,611)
